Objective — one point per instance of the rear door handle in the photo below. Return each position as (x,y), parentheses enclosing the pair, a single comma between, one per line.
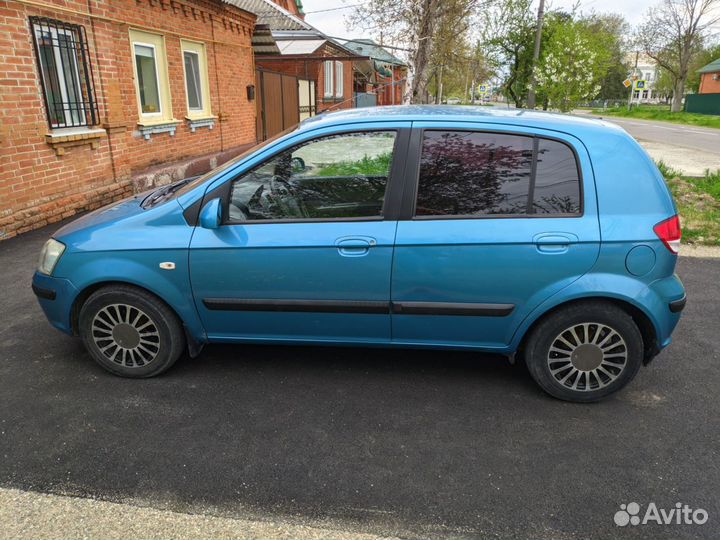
(354,246)
(553,242)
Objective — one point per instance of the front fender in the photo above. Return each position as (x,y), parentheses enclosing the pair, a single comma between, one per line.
(142,269)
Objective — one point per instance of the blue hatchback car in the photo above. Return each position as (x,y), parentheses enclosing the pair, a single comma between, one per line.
(506,231)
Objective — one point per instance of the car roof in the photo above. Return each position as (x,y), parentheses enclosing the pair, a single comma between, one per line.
(461,113)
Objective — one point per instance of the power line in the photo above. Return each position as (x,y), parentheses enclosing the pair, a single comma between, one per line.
(333,9)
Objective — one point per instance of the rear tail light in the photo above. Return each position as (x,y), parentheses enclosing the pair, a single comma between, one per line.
(669,232)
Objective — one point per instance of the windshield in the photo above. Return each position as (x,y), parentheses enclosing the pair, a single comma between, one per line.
(199,180)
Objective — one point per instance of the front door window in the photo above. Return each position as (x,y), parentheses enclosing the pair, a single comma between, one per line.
(335,177)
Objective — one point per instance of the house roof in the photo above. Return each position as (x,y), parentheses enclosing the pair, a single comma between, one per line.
(300,46)
(367,47)
(272,15)
(277,31)
(308,41)
(712,67)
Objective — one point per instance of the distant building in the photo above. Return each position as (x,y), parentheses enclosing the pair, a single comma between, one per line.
(645,69)
(383,75)
(710,78)
(707,100)
(300,70)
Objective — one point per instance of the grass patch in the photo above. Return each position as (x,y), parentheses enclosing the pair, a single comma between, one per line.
(366,166)
(663,114)
(698,201)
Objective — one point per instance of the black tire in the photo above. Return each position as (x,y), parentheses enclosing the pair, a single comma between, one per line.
(548,368)
(147,352)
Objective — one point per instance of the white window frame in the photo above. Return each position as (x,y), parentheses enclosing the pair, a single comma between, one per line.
(339,79)
(197,48)
(158,114)
(329,82)
(61,72)
(161,74)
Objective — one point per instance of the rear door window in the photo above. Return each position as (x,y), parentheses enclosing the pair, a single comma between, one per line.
(476,174)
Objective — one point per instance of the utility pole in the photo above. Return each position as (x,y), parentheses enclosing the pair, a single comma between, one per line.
(536,55)
(439,82)
(632,80)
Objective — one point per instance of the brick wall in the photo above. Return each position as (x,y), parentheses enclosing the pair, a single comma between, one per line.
(708,85)
(38,186)
(385,88)
(341,103)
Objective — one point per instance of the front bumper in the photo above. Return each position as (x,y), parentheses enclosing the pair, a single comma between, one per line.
(56,297)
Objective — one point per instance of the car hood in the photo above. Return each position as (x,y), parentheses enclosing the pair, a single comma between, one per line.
(111,213)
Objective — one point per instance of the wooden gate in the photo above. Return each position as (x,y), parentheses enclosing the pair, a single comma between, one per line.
(278,102)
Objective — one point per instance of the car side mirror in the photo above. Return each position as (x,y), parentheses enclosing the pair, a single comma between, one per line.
(297,164)
(211,214)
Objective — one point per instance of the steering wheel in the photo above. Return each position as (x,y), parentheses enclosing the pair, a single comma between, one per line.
(279,186)
(284,195)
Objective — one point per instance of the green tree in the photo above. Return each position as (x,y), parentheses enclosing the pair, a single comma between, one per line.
(508,37)
(672,35)
(418,25)
(573,63)
(611,29)
(663,87)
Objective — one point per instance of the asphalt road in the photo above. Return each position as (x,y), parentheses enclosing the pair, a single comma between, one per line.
(418,444)
(696,138)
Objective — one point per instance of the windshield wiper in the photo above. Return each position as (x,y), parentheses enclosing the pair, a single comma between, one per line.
(160,194)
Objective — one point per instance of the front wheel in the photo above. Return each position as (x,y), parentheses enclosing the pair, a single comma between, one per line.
(584,352)
(130,332)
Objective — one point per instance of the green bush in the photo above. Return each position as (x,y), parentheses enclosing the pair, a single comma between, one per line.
(698,202)
(366,166)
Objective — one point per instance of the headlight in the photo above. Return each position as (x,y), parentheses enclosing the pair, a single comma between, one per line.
(49,256)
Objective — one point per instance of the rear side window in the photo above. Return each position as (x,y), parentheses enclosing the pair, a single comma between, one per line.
(465,173)
(557,184)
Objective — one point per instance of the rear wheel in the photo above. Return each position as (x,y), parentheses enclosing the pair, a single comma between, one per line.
(130,332)
(585,352)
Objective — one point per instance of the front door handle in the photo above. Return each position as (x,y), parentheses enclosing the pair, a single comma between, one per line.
(354,246)
(554,242)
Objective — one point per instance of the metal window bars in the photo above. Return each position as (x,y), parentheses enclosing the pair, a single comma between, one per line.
(63,59)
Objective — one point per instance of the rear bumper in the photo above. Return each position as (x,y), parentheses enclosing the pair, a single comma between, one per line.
(665,301)
(56,297)
(676,306)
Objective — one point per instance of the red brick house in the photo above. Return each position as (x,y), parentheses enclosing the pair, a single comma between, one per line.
(312,55)
(707,100)
(301,71)
(96,95)
(100,99)
(383,74)
(710,78)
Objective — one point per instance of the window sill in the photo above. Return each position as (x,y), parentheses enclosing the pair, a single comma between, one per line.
(195,122)
(63,138)
(147,128)
(333,100)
